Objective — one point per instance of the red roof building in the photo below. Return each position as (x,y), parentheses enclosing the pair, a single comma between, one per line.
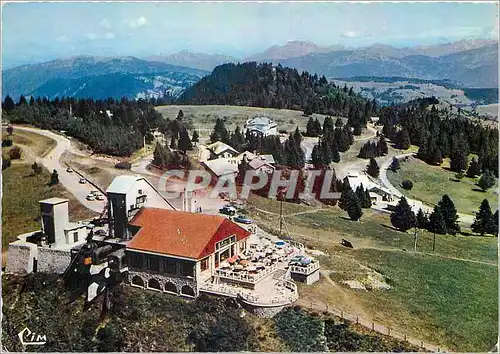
(172,251)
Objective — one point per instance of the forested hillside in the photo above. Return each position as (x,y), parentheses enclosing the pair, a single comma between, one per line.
(261,85)
(120,132)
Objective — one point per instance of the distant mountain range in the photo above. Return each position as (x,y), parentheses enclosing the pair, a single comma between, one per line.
(98,77)
(471,68)
(468,63)
(194,60)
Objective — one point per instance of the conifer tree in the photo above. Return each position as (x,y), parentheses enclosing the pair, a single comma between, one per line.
(382,146)
(54,178)
(354,208)
(402,140)
(422,219)
(495,223)
(486,181)
(360,194)
(395,165)
(450,215)
(483,221)
(436,221)
(196,137)
(184,141)
(372,168)
(367,203)
(458,161)
(8,104)
(316,157)
(173,143)
(310,128)
(474,169)
(403,217)
(347,193)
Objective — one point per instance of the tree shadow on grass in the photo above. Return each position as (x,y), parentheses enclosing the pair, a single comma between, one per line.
(390,227)
(478,190)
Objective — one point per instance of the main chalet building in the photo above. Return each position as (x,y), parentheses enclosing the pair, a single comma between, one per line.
(141,236)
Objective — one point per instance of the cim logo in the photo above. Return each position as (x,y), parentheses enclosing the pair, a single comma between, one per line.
(31,338)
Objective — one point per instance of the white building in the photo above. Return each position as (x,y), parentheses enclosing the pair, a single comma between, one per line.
(261,125)
(47,249)
(126,195)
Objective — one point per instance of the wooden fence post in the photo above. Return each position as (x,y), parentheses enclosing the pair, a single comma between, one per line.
(342,314)
(357,320)
(406,339)
(373,326)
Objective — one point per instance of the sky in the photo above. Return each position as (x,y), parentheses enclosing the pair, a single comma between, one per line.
(36,32)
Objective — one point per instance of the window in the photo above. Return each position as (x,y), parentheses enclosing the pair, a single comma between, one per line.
(233,239)
(75,236)
(131,206)
(169,266)
(139,191)
(205,263)
(136,260)
(187,269)
(154,263)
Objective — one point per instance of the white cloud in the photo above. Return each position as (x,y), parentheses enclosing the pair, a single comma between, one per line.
(105,24)
(93,36)
(137,22)
(62,39)
(354,34)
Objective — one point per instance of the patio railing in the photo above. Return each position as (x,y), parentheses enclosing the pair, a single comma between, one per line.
(248,278)
(305,269)
(286,293)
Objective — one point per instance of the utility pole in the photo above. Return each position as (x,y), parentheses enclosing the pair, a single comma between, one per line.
(415,236)
(281,215)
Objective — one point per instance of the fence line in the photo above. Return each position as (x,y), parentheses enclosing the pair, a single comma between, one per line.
(371,325)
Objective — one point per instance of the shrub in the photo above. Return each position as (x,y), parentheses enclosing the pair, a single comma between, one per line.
(15,153)
(124,165)
(6,142)
(407,184)
(5,161)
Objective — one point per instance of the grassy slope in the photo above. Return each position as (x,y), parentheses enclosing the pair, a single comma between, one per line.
(38,144)
(203,117)
(21,192)
(431,182)
(435,297)
(22,189)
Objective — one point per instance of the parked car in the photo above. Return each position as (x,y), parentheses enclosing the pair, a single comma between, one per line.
(100,232)
(243,219)
(227,210)
(91,197)
(99,197)
(83,180)
(69,169)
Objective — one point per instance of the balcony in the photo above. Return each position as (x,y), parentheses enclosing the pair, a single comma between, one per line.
(305,269)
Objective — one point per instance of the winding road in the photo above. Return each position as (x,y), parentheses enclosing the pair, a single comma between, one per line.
(464,218)
(69,180)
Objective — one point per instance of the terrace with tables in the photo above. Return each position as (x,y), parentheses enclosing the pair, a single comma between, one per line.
(261,274)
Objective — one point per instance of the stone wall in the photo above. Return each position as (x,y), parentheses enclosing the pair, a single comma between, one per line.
(20,257)
(262,311)
(163,280)
(52,260)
